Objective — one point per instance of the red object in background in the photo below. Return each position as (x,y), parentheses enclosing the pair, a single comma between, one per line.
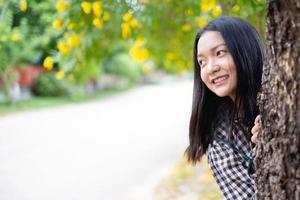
(27,75)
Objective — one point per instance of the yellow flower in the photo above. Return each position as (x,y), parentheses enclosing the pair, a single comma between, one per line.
(23,5)
(139,54)
(71,77)
(71,25)
(106,16)
(97,8)
(127,17)
(186,27)
(181,66)
(147,69)
(60,74)
(63,47)
(86,7)
(217,11)
(66,34)
(15,37)
(144,1)
(134,23)
(126,30)
(58,23)
(167,64)
(201,21)
(175,41)
(3,38)
(189,12)
(61,5)
(140,41)
(236,8)
(73,40)
(189,65)
(81,23)
(98,23)
(170,56)
(48,63)
(207,5)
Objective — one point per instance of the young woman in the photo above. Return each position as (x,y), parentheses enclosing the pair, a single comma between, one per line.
(228,60)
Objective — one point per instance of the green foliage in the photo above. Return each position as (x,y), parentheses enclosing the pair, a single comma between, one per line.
(48,85)
(80,36)
(37,37)
(9,49)
(22,38)
(163,28)
(254,11)
(85,70)
(124,65)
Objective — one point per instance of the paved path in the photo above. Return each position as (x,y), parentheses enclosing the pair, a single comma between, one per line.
(118,148)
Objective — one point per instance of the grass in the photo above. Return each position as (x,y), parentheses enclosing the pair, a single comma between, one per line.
(42,102)
(189,182)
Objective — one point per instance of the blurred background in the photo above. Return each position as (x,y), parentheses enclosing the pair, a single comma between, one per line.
(95,97)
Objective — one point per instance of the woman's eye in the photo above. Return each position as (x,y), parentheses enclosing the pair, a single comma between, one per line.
(201,63)
(221,52)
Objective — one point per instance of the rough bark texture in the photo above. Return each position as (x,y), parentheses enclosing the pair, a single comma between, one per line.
(278,148)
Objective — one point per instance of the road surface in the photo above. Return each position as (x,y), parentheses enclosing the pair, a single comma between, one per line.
(115,148)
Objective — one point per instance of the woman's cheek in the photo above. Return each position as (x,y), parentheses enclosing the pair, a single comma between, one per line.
(203,77)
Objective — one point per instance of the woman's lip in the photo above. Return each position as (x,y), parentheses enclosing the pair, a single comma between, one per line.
(213,80)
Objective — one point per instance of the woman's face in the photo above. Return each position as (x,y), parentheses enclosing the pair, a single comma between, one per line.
(218,71)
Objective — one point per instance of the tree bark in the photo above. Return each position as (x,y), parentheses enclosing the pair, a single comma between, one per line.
(278,148)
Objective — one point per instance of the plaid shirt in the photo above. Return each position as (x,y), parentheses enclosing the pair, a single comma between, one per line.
(229,167)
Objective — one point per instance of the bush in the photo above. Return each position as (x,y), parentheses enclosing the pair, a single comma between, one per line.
(124,65)
(48,85)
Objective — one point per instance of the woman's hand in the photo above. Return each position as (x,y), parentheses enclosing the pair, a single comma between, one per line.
(256,128)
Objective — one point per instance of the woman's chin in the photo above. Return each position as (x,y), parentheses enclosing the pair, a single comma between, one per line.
(222,93)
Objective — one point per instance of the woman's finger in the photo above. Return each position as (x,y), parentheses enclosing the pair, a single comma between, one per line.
(257,119)
(253,138)
(255,129)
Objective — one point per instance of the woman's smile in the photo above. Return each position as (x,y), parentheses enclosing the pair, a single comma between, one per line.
(220,80)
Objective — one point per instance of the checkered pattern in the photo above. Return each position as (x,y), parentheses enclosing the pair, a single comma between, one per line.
(229,168)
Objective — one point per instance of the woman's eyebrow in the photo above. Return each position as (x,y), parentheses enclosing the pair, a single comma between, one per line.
(214,48)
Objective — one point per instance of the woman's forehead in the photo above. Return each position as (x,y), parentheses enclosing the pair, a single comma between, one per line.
(209,40)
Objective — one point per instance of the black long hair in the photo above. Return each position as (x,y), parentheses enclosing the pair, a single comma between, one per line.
(246,48)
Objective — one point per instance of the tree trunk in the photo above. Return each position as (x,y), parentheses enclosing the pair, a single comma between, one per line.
(278,147)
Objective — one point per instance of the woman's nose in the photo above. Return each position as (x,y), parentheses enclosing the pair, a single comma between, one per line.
(213,66)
